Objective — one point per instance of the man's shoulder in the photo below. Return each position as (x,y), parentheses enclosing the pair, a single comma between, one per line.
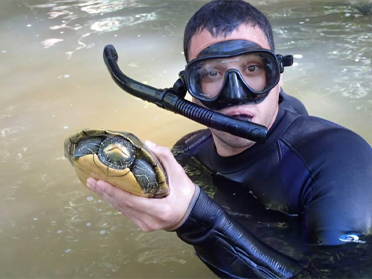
(306,125)
(308,129)
(313,134)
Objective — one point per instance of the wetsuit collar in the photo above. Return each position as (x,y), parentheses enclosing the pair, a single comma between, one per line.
(239,161)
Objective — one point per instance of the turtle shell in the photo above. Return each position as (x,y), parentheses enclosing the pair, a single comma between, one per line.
(119,158)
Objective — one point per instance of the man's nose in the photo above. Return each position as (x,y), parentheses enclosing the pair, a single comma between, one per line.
(234,90)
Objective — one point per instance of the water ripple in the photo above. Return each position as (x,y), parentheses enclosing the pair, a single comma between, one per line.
(115,23)
(96,7)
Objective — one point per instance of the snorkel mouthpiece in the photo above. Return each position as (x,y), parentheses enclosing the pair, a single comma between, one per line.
(173,99)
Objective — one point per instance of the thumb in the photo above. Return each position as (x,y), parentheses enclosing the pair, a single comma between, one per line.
(163,154)
(151,145)
(183,187)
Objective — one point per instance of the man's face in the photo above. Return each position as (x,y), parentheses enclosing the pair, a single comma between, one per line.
(263,113)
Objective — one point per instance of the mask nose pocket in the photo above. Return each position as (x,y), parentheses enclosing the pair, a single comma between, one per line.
(233,89)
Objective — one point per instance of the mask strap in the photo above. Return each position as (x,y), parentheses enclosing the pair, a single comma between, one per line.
(284,61)
(179,87)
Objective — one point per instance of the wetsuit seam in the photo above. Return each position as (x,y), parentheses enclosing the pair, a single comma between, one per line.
(309,169)
(281,180)
(306,218)
(202,227)
(217,268)
(294,150)
(236,251)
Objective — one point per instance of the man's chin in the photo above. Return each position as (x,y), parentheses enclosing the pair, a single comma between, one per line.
(231,140)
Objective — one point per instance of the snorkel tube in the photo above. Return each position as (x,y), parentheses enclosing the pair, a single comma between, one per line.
(173,99)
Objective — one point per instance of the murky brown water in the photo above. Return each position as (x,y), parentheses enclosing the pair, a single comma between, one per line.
(54,81)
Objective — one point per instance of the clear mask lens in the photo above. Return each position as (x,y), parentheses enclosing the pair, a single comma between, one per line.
(207,77)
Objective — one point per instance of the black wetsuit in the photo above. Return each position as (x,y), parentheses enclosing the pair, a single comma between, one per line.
(312,178)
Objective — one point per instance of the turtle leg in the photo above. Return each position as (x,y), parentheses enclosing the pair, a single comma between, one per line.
(87,146)
(145,176)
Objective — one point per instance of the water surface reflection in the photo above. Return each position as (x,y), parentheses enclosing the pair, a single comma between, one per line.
(55,83)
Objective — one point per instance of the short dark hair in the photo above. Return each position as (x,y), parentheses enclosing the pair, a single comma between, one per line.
(223,17)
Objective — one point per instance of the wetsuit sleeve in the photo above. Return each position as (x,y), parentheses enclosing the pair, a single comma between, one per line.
(228,248)
(337,201)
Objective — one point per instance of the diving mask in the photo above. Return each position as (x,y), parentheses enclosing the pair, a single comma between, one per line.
(233,72)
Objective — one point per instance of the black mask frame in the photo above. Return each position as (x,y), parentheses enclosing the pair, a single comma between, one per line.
(235,90)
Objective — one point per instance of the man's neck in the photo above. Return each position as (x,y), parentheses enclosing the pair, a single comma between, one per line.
(225,150)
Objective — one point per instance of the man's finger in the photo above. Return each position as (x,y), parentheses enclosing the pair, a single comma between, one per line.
(105,190)
(112,193)
(116,196)
(108,192)
(137,221)
(139,210)
(164,155)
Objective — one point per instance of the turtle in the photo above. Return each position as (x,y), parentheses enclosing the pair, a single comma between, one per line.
(119,158)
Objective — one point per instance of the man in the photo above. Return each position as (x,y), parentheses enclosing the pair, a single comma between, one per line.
(310,169)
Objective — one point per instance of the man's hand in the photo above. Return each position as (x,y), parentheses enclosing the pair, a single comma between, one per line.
(152,214)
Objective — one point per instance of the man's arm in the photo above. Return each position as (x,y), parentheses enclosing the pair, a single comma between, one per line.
(223,244)
(232,251)
(220,241)
(336,204)
(208,227)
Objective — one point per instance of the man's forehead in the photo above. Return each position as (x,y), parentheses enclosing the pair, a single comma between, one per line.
(204,39)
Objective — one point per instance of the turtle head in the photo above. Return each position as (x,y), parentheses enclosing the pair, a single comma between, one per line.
(117,153)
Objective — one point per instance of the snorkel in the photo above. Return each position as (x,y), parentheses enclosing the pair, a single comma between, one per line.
(172,99)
